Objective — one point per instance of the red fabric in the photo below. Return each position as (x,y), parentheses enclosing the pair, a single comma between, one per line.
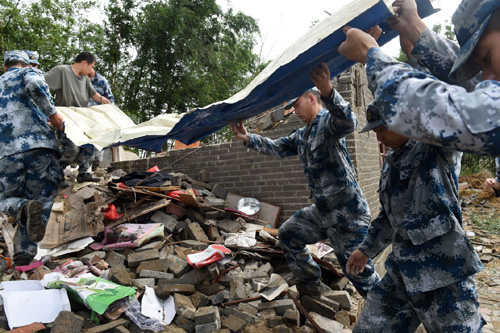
(111,214)
(154,169)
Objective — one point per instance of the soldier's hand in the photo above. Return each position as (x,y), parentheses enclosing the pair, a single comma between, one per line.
(356,263)
(239,130)
(358,43)
(105,100)
(57,120)
(320,76)
(491,183)
(406,20)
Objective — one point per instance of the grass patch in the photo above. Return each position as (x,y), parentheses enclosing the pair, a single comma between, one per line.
(487,223)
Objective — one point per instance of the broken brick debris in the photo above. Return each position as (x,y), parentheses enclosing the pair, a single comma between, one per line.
(222,296)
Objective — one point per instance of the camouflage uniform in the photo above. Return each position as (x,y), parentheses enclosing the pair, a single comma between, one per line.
(89,156)
(29,166)
(422,107)
(429,277)
(340,211)
(101,85)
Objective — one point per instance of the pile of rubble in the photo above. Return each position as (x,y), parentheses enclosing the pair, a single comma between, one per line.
(163,252)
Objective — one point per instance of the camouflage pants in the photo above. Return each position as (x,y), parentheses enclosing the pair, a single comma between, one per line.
(32,175)
(304,228)
(87,157)
(454,308)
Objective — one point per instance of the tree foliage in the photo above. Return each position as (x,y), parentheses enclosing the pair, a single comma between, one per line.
(160,56)
(57,29)
(188,54)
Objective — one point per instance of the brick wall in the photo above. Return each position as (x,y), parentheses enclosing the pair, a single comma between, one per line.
(276,180)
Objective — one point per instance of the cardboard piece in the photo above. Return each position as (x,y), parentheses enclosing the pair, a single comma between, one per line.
(76,216)
(27,302)
(268,212)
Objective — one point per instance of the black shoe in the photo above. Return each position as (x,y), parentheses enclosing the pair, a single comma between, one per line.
(87,178)
(22,259)
(31,218)
(312,290)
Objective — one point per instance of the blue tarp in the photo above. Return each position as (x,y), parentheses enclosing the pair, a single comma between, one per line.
(288,76)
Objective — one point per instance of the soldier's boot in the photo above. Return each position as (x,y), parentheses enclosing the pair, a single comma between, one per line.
(31,219)
(313,290)
(23,255)
(87,178)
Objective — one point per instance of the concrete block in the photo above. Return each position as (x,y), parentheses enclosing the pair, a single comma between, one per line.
(142,283)
(120,275)
(168,221)
(292,316)
(150,246)
(213,202)
(67,322)
(136,258)
(340,296)
(213,232)
(163,290)
(235,324)
(146,273)
(272,322)
(248,309)
(184,307)
(237,288)
(217,298)
(196,232)
(343,318)
(195,276)
(240,314)
(229,226)
(193,244)
(328,325)
(207,328)
(184,323)
(206,314)
(177,266)
(209,289)
(280,306)
(314,305)
(160,265)
(195,215)
(219,191)
(339,284)
(114,259)
(199,300)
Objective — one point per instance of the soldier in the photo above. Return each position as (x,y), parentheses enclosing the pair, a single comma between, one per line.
(33,56)
(29,154)
(430,270)
(426,107)
(340,211)
(101,85)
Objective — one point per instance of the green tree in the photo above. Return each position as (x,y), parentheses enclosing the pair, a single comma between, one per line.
(57,29)
(189,53)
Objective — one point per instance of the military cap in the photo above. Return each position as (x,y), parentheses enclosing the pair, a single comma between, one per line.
(33,55)
(470,20)
(289,105)
(13,55)
(373,118)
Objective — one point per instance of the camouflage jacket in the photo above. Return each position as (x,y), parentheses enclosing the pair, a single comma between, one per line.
(422,107)
(26,103)
(101,85)
(421,216)
(326,162)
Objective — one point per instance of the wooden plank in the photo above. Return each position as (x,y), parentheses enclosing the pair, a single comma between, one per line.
(141,210)
(268,212)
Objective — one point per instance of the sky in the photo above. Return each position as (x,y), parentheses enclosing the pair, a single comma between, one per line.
(282,22)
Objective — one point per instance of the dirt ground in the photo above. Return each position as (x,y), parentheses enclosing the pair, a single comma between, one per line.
(479,204)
